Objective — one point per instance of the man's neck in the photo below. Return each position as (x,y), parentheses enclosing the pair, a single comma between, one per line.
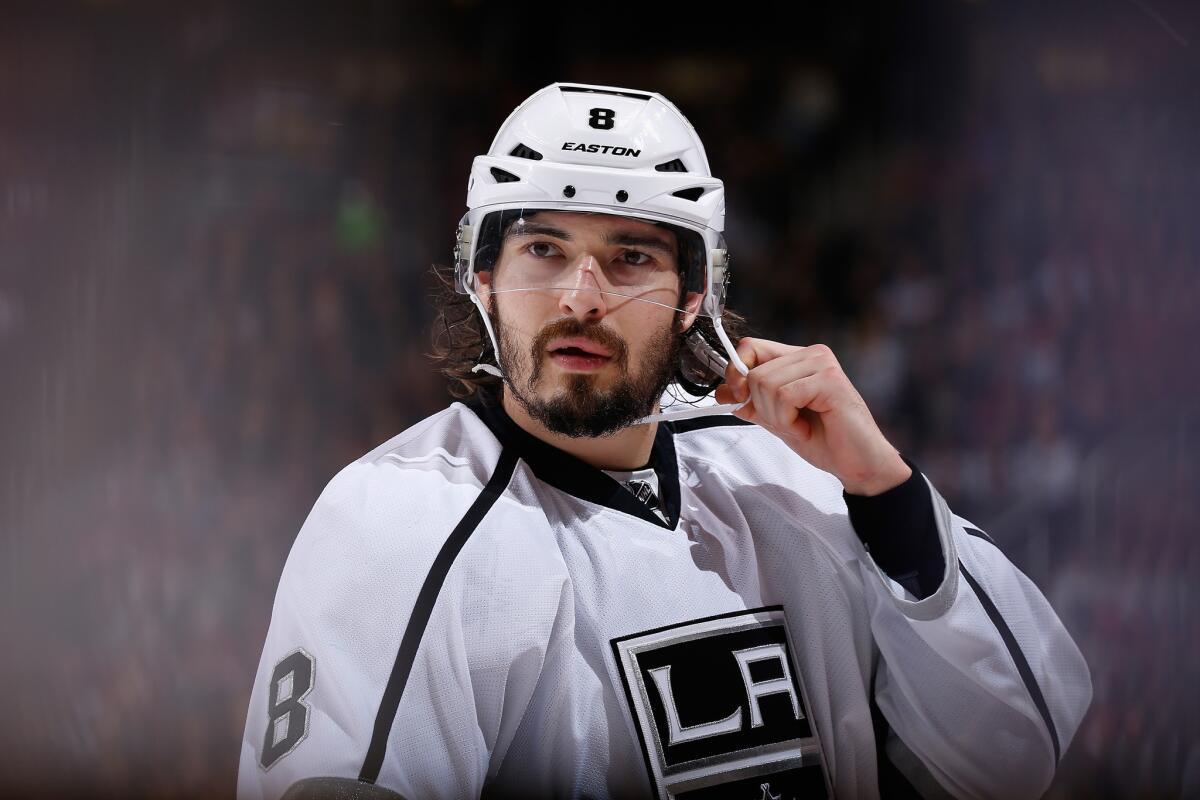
(627,449)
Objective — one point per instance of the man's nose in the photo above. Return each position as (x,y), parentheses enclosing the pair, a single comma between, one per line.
(584,298)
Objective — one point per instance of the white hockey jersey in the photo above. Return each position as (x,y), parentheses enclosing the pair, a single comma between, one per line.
(468,611)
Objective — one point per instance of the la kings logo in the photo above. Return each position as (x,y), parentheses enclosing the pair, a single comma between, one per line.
(721,709)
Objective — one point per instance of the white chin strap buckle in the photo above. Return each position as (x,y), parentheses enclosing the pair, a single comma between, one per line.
(489,369)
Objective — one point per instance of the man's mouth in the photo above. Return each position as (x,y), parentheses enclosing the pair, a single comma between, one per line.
(578,353)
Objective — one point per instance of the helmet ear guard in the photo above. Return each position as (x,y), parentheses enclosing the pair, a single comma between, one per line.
(702,359)
(464,283)
(464,280)
(701,366)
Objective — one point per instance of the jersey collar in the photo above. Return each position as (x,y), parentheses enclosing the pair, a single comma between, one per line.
(576,477)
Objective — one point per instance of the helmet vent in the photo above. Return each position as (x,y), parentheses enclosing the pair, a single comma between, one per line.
(503,177)
(521,151)
(692,194)
(671,166)
(597,90)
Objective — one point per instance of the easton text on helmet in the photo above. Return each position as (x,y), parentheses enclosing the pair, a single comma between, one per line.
(602,148)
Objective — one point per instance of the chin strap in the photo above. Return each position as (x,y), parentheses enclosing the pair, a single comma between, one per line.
(691,412)
(490,369)
(730,350)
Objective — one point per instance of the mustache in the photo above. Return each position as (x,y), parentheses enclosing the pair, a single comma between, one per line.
(570,326)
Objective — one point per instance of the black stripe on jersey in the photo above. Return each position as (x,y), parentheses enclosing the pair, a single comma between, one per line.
(979,533)
(699,423)
(423,609)
(1018,657)
(892,782)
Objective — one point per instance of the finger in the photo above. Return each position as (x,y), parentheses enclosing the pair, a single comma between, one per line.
(801,393)
(735,384)
(767,379)
(725,395)
(745,351)
(789,414)
(820,392)
(760,390)
(811,397)
(734,378)
(804,362)
(746,412)
(754,354)
(759,351)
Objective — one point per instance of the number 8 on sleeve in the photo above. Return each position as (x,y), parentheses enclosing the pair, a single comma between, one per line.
(287,714)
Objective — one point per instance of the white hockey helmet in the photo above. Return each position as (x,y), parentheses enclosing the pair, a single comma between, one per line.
(599,149)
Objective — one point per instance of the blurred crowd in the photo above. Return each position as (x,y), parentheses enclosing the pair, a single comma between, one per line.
(215,231)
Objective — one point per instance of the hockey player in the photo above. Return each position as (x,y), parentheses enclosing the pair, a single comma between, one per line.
(565,587)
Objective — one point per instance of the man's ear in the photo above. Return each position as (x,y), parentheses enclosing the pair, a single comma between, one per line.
(691,307)
(483,286)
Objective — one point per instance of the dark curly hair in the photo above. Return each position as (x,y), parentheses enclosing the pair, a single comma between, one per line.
(460,340)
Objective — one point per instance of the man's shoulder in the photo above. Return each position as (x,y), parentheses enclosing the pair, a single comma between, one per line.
(432,470)
(453,435)
(732,453)
(409,493)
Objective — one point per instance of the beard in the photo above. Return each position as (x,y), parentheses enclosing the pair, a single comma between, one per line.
(580,408)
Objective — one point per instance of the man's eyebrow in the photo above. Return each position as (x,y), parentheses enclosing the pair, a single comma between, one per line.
(536,229)
(623,238)
(637,240)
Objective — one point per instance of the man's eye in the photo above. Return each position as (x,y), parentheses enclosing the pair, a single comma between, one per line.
(636,258)
(542,249)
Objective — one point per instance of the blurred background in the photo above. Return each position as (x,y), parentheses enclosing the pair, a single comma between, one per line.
(215,224)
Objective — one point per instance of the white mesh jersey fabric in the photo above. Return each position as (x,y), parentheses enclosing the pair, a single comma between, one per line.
(515,688)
